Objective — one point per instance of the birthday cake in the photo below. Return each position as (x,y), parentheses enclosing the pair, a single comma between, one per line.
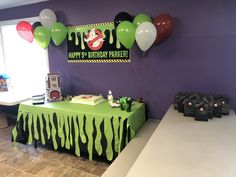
(87,99)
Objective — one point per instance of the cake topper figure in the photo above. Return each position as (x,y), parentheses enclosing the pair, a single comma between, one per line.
(111,101)
(110,97)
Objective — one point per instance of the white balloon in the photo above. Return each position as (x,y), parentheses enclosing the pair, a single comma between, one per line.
(145,35)
(47,18)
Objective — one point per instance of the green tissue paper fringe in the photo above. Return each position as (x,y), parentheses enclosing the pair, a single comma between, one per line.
(65,122)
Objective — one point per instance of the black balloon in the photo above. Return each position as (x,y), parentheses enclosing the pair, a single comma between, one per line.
(122,16)
(36,24)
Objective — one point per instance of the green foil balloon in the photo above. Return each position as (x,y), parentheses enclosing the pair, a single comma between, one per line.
(58,32)
(140,18)
(42,36)
(125,32)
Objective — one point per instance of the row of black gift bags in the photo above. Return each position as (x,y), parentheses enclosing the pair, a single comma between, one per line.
(201,106)
(211,106)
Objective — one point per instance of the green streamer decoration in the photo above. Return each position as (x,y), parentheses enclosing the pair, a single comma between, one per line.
(14,131)
(121,131)
(116,130)
(70,129)
(24,120)
(36,134)
(30,138)
(126,137)
(67,133)
(41,129)
(59,130)
(76,128)
(62,135)
(14,134)
(47,126)
(74,125)
(53,131)
(81,125)
(109,137)
(89,131)
(98,145)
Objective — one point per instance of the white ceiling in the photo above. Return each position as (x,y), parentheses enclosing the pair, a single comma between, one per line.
(13,3)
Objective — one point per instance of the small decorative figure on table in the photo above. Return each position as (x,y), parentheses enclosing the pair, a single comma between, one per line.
(68,97)
(140,100)
(126,103)
(110,97)
(111,101)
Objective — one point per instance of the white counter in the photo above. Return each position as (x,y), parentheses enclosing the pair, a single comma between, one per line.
(183,147)
(11,98)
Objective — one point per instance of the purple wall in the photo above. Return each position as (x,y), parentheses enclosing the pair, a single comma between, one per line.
(200,55)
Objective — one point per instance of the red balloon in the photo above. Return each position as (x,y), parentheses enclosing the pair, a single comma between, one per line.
(164,26)
(25,30)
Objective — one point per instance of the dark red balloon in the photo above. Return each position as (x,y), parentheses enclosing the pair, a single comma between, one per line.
(164,26)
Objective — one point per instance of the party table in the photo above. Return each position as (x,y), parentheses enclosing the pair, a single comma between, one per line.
(70,125)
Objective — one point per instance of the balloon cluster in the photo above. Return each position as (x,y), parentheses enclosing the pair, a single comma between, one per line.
(42,32)
(142,29)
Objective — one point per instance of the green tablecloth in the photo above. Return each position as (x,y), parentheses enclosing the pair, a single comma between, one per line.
(80,118)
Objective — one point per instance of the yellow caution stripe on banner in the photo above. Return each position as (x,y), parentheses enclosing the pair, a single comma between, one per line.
(89,25)
(101,61)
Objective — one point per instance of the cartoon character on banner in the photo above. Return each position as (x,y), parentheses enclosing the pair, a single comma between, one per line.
(94,39)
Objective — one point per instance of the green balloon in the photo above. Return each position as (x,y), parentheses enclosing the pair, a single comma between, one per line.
(42,36)
(58,32)
(125,32)
(140,18)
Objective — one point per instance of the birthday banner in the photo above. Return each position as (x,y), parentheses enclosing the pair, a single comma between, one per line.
(95,43)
